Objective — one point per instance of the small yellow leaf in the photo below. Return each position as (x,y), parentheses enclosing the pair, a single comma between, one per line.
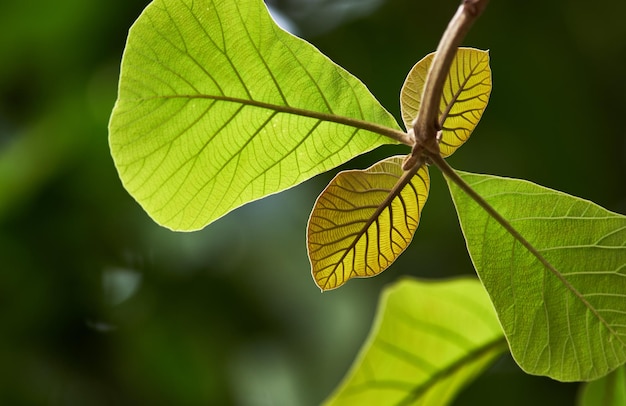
(364,220)
(465,96)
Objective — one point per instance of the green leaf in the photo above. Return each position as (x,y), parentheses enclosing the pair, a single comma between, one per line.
(218,106)
(563,307)
(465,96)
(607,391)
(364,220)
(429,340)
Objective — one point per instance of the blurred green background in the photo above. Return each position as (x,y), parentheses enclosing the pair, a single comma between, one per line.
(100,306)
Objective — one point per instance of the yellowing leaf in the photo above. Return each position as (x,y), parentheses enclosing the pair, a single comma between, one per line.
(363,221)
(465,96)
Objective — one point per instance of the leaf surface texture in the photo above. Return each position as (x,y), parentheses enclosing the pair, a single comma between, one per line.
(429,340)
(465,96)
(218,106)
(364,220)
(565,318)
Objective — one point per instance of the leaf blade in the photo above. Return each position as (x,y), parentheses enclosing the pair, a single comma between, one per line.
(464,99)
(429,340)
(363,220)
(564,319)
(218,106)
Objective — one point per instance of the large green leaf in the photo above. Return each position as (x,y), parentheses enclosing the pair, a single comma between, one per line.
(465,96)
(607,391)
(563,308)
(218,106)
(364,220)
(430,339)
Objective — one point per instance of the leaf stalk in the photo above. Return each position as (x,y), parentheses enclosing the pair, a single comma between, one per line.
(451,174)
(426,124)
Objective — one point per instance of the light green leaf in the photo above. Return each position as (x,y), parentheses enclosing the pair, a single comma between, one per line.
(218,106)
(465,96)
(429,340)
(364,220)
(564,317)
(607,391)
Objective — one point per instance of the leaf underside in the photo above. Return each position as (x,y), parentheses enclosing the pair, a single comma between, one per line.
(567,319)
(363,221)
(429,340)
(465,96)
(218,106)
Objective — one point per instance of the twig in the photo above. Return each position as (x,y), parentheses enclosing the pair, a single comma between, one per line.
(426,125)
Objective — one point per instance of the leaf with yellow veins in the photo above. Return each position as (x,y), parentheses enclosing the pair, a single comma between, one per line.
(364,220)
(465,96)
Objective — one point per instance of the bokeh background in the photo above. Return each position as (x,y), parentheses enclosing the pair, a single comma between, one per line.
(100,306)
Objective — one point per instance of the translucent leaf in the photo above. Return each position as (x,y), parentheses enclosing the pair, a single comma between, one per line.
(218,106)
(363,221)
(607,391)
(465,96)
(565,318)
(430,339)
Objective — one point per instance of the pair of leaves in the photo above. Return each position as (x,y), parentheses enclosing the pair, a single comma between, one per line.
(365,219)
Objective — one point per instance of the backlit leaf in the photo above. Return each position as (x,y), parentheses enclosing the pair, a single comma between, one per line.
(607,391)
(218,106)
(429,340)
(565,318)
(465,96)
(363,221)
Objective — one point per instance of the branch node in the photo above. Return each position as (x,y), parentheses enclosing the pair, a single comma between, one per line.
(474,7)
(426,126)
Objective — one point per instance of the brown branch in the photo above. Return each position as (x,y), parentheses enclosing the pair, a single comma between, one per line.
(426,124)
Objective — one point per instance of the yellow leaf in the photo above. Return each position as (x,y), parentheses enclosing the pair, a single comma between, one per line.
(363,221)
(465,96)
